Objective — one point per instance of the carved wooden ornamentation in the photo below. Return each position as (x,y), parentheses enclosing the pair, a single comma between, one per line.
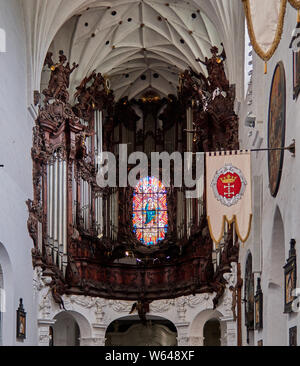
(212,99)
(119,267)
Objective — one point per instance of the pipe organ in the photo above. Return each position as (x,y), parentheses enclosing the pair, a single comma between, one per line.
(81,231)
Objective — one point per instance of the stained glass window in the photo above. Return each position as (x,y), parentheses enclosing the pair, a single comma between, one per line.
(150,216)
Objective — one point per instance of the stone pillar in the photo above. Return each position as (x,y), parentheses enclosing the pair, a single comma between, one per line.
(98,339)
(182,336)
(44,331)
(228,331)
(196,341)
(92,342)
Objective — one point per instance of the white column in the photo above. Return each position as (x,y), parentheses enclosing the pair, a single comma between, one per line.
(228,332)
(44,332)
(182,334)
(196,341)
(98,339)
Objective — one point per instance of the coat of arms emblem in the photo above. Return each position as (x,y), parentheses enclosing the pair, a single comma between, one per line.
(228,185)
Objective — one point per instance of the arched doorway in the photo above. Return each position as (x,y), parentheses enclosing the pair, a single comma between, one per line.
(66,331)
(70,329)
(208,329)
(130,331)
(212,333)
(276,319)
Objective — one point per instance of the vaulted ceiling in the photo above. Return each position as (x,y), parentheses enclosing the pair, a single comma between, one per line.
(140,44)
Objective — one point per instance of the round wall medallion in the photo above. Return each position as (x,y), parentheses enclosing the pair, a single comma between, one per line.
(276,128)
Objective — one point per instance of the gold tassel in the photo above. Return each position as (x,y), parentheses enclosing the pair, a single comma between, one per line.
(298,16)
(266,67)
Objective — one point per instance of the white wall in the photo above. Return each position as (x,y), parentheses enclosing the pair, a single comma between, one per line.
(288,197)
(16,178)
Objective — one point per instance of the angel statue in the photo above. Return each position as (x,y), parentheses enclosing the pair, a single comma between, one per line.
(60,77)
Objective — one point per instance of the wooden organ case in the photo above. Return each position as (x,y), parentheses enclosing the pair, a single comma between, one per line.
(83,234)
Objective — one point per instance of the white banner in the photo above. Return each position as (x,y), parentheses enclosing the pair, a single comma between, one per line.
(228,190)
(265,19)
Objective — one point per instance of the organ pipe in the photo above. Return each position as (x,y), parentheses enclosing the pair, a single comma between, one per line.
(57,206)
(51,200)
(98,137)
(99,214)
(105,209)
(74,196)
(55,210)
(180,214)
(189,118)
(60,202)
(65,208)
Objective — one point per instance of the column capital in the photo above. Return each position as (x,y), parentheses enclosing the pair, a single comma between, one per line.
(46,322)
(183,340)
(92,342)
(196,341)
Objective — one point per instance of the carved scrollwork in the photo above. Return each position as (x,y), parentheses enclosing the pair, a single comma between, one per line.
(120,306)
(212,99)
(92,94)
(162,306)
